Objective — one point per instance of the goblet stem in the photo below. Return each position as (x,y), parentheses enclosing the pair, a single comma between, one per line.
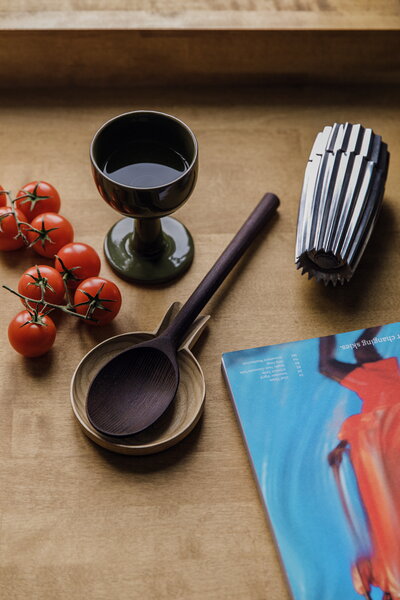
(148,238)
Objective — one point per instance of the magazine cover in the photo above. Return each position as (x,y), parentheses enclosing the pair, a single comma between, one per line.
(321,422)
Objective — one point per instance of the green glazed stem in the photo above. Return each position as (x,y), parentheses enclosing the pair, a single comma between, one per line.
(172,261)
(148,239)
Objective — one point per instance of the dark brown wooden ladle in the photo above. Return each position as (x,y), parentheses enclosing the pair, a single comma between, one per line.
(135,388)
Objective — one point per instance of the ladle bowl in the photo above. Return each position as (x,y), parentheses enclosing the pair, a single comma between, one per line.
(181,416)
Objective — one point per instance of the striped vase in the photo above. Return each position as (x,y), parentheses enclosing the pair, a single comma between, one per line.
(340,201)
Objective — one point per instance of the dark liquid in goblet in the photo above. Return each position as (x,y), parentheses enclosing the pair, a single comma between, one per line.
(145,164)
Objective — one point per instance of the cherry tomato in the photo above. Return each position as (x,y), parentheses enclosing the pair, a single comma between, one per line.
(76,262)
(99,298)
(41,277)
(31,338)
(3,197)
(9,229)
(38,197)
(53,232)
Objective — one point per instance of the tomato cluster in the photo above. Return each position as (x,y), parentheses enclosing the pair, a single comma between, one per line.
(72,284)
(42,288)
(32,219)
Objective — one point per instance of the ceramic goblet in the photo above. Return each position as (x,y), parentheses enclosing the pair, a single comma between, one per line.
(145,165)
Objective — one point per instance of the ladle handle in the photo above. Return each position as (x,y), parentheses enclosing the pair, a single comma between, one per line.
(230,256)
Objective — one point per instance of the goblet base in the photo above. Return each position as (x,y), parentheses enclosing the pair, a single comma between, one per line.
(171,262)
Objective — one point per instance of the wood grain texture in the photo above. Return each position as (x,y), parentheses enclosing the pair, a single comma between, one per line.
(78,521)
(199,14)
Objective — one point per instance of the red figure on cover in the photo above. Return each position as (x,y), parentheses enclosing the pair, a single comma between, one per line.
(372,440)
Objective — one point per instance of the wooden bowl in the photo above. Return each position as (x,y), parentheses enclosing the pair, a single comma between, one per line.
(181,416)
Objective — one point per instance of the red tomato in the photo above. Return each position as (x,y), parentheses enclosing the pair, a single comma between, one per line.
(76,262)
(31,338)
(98,298)
(53,232)
(36,198)
(3,197)
(38,278)
(9,229)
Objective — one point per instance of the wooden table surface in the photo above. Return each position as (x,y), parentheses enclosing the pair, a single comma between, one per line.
(78,521)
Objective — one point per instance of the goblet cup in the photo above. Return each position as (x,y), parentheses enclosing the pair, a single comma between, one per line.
(145,165)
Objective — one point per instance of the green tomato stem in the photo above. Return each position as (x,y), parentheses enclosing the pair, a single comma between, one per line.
(45,303)
(18,222)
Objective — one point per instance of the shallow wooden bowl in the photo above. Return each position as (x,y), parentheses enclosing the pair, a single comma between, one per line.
(181,416)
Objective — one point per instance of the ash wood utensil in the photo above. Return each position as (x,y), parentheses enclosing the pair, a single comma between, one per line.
(181,416)
(134,389)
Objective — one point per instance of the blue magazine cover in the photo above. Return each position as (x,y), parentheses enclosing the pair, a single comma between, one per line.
(321,422)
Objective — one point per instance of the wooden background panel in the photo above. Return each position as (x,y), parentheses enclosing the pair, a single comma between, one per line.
(153,58)
(78,521)
(344,7)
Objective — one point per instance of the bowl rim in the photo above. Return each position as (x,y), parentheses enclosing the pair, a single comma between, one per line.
(137,112)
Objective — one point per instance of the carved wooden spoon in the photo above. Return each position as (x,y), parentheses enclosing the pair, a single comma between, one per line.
(134,389)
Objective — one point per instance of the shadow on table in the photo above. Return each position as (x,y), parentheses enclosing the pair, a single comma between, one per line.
(152,463)
(370,275)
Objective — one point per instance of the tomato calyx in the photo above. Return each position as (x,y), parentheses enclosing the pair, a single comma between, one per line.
(94,302)
(40,281)
(32,197)
(67,273)
(42,235)
(36,317)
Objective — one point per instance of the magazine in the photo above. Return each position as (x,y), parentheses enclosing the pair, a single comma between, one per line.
(321,422)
